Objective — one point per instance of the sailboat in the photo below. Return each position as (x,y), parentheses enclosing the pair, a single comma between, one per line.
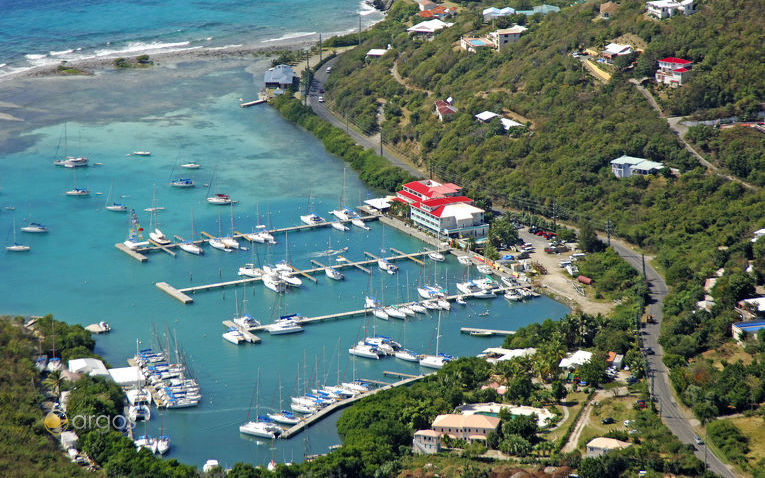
(189,246)
(180,182)
(135,238)
(404,353)
(114,206)
(16,247)
(330,271)
(55,362)
(262,426)
(229,241)
(414,306)
(218,199)
(156,234)
(284,416)
(163,442)
(190,165)
(382,262)
(217,242)
(69,161)
(311,218)
(438,360)
(77,192)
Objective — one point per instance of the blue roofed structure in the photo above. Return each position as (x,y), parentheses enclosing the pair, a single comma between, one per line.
(280,76)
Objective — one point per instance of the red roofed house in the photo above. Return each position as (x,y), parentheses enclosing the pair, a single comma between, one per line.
(438,12)
(673,71)
(445,110)
(441,209)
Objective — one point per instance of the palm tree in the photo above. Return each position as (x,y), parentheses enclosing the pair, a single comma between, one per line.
(53,381)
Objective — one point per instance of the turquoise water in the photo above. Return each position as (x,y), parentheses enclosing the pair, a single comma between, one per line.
(38,32)
(191,113)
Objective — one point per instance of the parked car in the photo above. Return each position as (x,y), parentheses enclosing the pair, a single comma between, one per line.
(607,421)
(321,99)
(698,440)
(329,68)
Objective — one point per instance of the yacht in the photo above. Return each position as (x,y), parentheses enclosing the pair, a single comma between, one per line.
(339,226)
(182,183)
(430,304)
(250,270)
(435,361)
(513,296)
(443,304)
(218,244)
(370,302)
(274,282)
(436,256)
(246,321)
(465,260)
(385,344)
(285,325)
(407,355)
(53,364)
(312,219)
(191,248)
(386,266)
(79,192)
(262,427)
(190,165)
(140,401)
(159,237)
(362,349)
(230,242)
(358,222)
(290,279)
(461,300)
(303,408)
(380,313)
(163,444)
(284,417)
(406,310)
(220,199)
(394,312)
(417,308)
(16,247)
(145,441)
(141,153)
(72,162)
(234,335)
(41,362)
(333,273)
(344,214)
(116,207)
(473,289)
(34,227)
(430,292)
(484,269)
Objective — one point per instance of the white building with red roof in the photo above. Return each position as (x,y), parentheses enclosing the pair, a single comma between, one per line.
(445,110)
(673,71)
(440,208)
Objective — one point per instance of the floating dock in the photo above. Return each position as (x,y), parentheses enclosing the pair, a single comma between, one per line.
(486,332)
(135,255)
(326,411)
(173,292)
(249,336)
(247,104)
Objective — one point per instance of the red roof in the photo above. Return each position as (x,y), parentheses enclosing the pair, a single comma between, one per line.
(681,70)
(408,196)
(430,190)
(426,13)
(679,61)
(444,201)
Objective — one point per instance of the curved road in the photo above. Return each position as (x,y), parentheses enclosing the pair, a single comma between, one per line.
(670,412)
(369,142)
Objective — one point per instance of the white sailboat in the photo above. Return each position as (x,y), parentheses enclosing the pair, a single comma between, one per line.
(436,256)
(69,161)
(229,241)
(16,247)
(190,165)
(217,199)
(77,192)
(438,360)
(404,353)
(163,441)
(114,206)
(190,246)
(217,242)
(262,426)
(311,218)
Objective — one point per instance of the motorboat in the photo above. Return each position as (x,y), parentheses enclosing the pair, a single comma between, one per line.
(339,226)
(435,361)
(461,300)
(263,427)
(333,273)
(34,227)
(312,219)
(41,362)
(436,256)
(513,296)
(344,214)
(484,269)
(465,260)
(430,304)
(394,312)
(443,304)
(230,242)
(407,355)
(191,248)
(246,321)
(141,153)
(182,183)
(190,166)
(386,266)
(509,281)
(285,325)
(358,222)
(163,444)
(78,192)
(72,162)
(234,335)
(219,199)
(406,310)
(250,270)
(384,343)
(362,349)
(290,279)
(430,292)
(473,289)
(285,417)
(371,303)
(159,237)
(116,207)
(275,283)
(218,244)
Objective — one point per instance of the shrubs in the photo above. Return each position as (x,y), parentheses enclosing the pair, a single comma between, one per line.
(729,439)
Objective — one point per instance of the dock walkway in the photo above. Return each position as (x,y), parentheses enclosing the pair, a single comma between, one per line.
(326,411)
(475,331)
(248,335)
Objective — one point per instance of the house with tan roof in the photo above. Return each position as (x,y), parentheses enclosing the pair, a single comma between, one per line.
(465,427)
(602,445)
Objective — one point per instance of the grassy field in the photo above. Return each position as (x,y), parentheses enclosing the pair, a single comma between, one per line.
(576,400)
(730,352)
(619,409)
(754,429)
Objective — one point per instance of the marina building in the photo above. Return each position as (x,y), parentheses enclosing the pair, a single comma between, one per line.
(441,209)
(465,427)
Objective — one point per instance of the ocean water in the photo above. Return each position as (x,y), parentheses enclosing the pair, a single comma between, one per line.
(39,32)
(189,111)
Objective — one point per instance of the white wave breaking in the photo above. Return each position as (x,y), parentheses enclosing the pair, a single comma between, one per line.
(290,36)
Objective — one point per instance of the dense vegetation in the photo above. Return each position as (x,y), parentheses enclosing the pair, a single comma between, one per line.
(740,150)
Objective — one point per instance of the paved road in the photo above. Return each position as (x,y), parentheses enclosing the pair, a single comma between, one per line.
(370,142)
(670,412)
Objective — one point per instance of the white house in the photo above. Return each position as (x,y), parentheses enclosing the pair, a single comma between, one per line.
(576,359)
(445,110)
(376,52)
(492,13)
(673,71)
(280,76)
(90,366)
(426,442)
(503,36)
(614,50)
(428,28)
(666,8)
(602,445)
(487,116)
(625,166)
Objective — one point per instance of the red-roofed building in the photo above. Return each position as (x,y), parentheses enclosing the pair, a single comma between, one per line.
(673,71)
(438,12)
(441,209)
(445,110)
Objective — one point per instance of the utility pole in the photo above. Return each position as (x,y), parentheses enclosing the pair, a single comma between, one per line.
(320,48)
(642,256)
(609,229)
(381,143)
(430,165)
(359,29)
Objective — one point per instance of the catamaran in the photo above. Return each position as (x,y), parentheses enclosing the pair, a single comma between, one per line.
(218,199)
(312,219)
(77,192)
(16,247)
(182,183)
(262,426)
(339,226)
(140,402)
(69,161)
(287,324)
(234,335)
(362,349)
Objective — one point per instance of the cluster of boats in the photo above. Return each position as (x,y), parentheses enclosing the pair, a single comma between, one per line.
(344,215)
(171,382)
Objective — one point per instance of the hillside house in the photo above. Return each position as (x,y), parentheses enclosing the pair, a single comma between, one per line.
(614,50)
(280,76)
(607,9)
(751,309)
(425,5)
(438,12)
(472,45)
(445,110)
(575,360)
(544,9)
(428,28)
(626,166)
(426,442)
(504,36)
(667,8)
(602,445)
(465,427)
(487,116)
(493,13)
(439,208)
(673,71)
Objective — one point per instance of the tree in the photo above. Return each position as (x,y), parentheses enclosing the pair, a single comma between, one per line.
(54,381)
(594,371)
(502,234)
(588,240)
(524,426)
(491,252)
(559,390)
(515,445)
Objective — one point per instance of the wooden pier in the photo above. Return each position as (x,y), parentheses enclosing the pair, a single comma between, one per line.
(247,104)
(326,411)
(135,255)
(487,332)
(412,258)
(162,247)
(388,373)
(173,292)
(249,336)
